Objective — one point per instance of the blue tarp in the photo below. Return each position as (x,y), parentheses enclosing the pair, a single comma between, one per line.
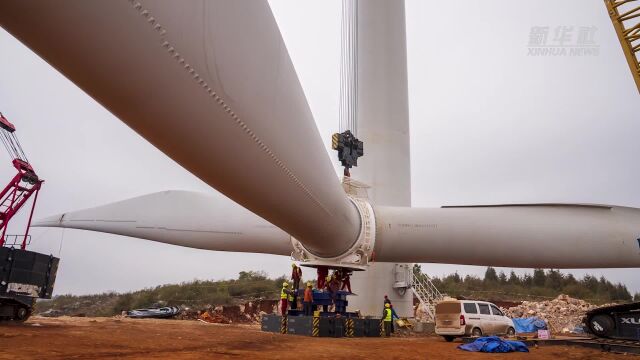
(529,325)
(494,344)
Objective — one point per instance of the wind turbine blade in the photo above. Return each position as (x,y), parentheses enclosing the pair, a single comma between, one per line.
(182,218)
(209,83)
(545,235)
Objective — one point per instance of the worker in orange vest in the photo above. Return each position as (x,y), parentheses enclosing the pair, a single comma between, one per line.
(307,304)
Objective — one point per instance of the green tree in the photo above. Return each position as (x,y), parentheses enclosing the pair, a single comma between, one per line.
(554,279)
(569,280)
(278,282)
(472,282)
(605,290)
(502,278)
(621,293)
(490,275)
(417,269)
(456,278)
(539,278)
(252,275)
(514,279)
(577,291)
(636,297)
(590,282)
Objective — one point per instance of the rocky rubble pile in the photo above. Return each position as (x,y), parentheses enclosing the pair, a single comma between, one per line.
(248,313)
(421,313)
(562,314)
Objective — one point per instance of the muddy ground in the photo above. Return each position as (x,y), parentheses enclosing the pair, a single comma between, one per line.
(91,338)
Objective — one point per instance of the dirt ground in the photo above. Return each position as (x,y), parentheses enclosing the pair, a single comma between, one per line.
(91,338)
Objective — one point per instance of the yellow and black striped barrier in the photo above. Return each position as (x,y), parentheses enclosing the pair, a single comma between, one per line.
(381,328)
(349,323)
(283,325)
(315,331)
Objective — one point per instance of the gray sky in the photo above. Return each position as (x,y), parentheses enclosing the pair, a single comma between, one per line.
(489,124)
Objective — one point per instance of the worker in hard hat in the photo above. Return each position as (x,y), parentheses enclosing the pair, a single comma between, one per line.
(387,301)
(327,288)
(387,319)
(333,285)
(346,279)
(285,297)
(323,271)
(307,303)
(394,315)
(296,275)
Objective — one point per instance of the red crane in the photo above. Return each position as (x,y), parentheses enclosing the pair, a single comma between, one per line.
(23,185)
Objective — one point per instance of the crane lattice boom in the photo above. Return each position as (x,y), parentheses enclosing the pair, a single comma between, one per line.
(23,185)
(625,15)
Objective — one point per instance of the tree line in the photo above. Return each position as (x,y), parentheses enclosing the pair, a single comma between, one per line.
(197,294)
(539,284)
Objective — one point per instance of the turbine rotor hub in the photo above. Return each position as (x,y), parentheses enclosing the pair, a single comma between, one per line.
(361,253)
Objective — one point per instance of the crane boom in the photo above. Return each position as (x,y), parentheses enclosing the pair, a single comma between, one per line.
(21,187)
(25,275)
(626,21)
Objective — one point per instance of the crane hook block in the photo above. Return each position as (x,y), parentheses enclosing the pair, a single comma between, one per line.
(349,148)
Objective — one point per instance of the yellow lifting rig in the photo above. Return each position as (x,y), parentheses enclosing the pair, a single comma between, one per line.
(625,15)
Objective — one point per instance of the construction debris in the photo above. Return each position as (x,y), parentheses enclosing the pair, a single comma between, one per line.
(422,313)
(248,313)
(563,314)
(52,313)
(158,313)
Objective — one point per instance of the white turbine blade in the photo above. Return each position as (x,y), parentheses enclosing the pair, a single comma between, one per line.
(545,235)
(210,83)
(182,218)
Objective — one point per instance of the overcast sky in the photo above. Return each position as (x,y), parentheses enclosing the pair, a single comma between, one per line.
(490,123)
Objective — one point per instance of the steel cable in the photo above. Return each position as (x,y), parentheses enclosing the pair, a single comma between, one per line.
(349,67)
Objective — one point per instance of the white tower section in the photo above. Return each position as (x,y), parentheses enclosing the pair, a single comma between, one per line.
(382,122)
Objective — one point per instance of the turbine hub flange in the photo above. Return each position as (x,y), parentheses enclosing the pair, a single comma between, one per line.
(359,255)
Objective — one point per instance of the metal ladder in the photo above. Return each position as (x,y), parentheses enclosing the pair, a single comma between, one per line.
(427,293)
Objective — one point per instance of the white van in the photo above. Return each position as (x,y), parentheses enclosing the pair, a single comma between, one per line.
(456,318)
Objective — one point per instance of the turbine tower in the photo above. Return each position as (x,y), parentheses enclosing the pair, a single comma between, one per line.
(375,107)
